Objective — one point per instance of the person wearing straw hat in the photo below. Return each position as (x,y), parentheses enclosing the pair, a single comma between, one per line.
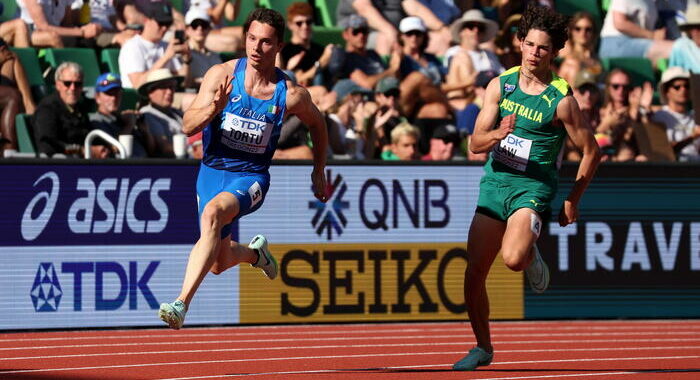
(240,108)
(676,115)
(528,111)
(163,120)
(686,50)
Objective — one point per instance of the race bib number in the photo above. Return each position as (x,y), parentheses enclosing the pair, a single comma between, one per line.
(255,192)
(513,151)
(248,135)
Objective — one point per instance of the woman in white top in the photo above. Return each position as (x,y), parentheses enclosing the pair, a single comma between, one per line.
(628,31)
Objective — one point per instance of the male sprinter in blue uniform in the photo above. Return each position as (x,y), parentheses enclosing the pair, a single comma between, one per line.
(240,106)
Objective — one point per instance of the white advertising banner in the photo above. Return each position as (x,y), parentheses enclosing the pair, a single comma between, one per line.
(380,204)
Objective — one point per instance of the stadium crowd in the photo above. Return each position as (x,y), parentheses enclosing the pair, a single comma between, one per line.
(395,79)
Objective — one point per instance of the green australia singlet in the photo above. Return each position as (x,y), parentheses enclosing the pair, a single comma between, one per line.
(533,151)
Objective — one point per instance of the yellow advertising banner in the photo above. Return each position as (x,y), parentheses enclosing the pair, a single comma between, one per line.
(371,282)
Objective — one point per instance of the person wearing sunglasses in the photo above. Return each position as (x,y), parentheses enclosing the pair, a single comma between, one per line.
(305,58)
(147,52)
(198,28)
(579,52)
(357,63)
(682,131)
(61,122)
(222,38)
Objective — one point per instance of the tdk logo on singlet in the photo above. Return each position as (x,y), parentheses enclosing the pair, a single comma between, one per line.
(112,284)
(115,198)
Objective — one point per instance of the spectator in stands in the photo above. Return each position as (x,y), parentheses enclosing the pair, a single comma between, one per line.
(629,31)
(114,32)
(686,50)
(388,115)
(363,66)
(146,53)
(676,115)
(197,29)
(444,145)
(15,95)
(507,42)
(305,58)
(48,22)
(294,140)
(404,143)
(61,119)
(413,41)
(108,118)
(467,59)
(579,52)
(587,96)
(350,121)
(162,119)
(623,107)
(15,33)
(383,15)
(222,38)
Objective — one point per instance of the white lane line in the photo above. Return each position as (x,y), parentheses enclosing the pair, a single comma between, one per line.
(325,357)
(325,347)
(497,337)
(352,329)
(450,365)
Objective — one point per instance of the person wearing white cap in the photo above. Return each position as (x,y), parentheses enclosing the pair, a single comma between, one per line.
(686,50)
(384,15)
(676,115)
(198,28)
(221,38)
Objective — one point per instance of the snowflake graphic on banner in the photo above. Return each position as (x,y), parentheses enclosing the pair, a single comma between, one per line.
(46,291)
(329,216)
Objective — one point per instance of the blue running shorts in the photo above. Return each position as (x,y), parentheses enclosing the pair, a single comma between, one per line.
(249,188)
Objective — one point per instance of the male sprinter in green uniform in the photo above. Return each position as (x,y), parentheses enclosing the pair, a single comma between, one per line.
(527,113)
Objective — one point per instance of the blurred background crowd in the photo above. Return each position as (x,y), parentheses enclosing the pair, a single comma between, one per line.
(395,79)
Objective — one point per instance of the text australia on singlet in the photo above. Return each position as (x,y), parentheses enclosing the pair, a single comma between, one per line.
(247,131)
(514,151)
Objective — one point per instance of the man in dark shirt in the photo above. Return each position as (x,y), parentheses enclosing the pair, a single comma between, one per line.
(356,62)
(61,121)
(305,58)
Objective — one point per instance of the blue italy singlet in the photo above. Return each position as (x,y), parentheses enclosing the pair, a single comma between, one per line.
(243,137)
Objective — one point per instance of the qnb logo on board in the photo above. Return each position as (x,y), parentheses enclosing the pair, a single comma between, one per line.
(46,291)
(116,198)
(329,216)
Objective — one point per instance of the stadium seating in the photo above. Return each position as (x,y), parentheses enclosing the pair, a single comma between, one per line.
(110,60)
(569,7)
(246,7)
(324,36)
(32,68)
(23,128)
(129,99)
(83,56)
(326,11)
(9,11)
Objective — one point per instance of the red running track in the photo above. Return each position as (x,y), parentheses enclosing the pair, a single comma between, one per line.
(597,350)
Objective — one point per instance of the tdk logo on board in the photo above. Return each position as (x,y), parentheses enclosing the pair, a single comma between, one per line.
(114,197)
(46,291)
(111,284)
(329,216)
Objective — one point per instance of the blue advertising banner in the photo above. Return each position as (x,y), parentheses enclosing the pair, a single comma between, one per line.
(91,204)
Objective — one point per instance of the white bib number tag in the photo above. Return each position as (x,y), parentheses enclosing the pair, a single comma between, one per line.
(248,135)
(513,151)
